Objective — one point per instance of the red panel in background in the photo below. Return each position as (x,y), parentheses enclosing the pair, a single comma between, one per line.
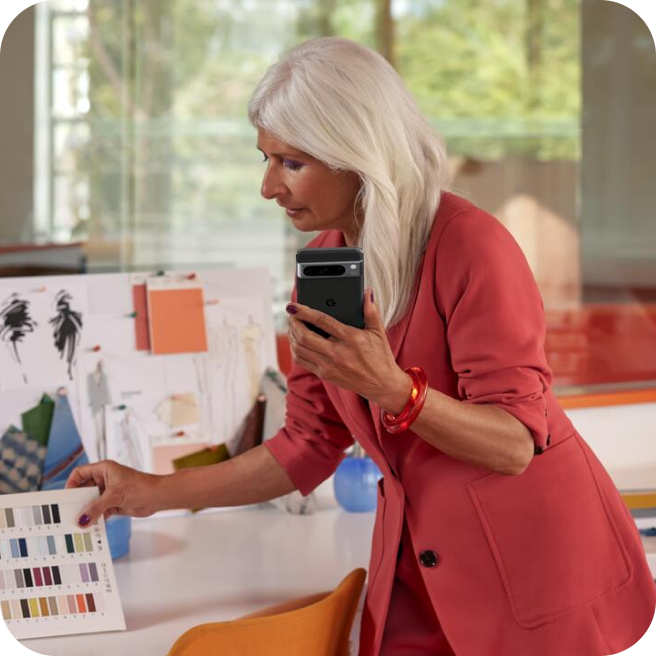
(601,344)
(141,333)
(597,344)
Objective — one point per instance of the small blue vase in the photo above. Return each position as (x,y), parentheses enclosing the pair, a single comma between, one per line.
(119,531)
(356,484)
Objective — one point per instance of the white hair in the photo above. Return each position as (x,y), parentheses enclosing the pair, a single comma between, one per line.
(345,105)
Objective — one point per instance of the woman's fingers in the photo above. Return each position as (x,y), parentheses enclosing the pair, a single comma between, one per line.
(85,476)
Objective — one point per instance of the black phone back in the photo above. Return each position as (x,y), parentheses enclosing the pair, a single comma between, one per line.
(331,280)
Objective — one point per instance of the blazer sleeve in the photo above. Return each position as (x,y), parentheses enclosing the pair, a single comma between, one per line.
(312,441)
(494,317)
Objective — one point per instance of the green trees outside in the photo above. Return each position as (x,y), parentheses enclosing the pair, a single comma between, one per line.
(170,79)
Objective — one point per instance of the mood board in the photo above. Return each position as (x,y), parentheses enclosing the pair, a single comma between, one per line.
(142,368)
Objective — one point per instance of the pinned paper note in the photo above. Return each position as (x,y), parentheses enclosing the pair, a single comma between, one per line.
(176,314)
(178,410)
(163,455)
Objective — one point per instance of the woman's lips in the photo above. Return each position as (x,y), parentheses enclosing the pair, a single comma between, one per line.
(292,213)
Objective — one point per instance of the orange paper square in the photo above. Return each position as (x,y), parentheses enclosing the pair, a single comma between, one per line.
(177,321)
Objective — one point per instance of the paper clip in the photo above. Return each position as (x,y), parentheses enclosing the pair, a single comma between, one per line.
(191,276)
(133,315)
(121,407)
(180,433)
(96,348)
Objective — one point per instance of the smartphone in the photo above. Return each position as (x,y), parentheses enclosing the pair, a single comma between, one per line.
(331,280)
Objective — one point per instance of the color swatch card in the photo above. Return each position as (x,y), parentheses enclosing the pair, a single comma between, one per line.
(55,578)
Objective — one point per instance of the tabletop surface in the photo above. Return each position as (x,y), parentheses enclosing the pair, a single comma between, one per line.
(222,564)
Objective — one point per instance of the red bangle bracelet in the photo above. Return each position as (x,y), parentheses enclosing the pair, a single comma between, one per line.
(399,423)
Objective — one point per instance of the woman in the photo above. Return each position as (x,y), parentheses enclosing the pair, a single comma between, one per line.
(498,532)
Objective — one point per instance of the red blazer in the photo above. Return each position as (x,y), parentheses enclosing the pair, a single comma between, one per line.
(547,562)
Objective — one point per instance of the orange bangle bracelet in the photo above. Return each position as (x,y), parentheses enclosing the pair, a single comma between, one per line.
(399,423)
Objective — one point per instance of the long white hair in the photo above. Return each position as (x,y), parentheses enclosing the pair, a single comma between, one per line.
(345,105)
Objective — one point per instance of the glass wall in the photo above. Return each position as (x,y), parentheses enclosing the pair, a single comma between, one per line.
(548,108)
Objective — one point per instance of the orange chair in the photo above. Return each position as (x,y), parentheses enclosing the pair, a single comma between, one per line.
(318,625)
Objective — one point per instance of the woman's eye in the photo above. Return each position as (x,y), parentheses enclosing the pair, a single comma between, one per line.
(287,163)
(291,164)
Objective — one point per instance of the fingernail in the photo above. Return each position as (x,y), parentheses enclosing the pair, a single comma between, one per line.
(372,295)
(291,309)
(84,520)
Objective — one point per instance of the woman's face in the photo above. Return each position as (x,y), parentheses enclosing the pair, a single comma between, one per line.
(315,197)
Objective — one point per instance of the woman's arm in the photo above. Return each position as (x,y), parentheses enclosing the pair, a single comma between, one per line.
(481,435)
(252,477)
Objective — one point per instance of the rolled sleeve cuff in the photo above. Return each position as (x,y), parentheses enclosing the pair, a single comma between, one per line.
(294,458)
(529,408)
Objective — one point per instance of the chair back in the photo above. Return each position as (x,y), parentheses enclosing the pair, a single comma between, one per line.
(319,625)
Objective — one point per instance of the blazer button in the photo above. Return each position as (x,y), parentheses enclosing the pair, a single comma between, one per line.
(538,451)
(428,558)
(548,439)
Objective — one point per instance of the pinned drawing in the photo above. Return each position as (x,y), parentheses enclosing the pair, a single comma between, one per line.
(42,331)
(128,438)
(67,329)
(252,337)
(15,323)
(99,397)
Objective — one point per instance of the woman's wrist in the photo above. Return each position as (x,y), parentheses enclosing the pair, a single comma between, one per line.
(397,395)
(399,422)
(169,492)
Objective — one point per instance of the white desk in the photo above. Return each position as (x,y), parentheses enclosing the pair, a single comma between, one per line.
(184,571)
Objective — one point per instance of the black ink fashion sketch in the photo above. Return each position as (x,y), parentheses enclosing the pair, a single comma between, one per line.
(15,323)
(67,325)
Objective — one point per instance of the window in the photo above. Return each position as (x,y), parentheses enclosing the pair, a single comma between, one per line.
(548,113)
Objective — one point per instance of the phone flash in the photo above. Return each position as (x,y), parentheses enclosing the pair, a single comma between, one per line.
(354,266)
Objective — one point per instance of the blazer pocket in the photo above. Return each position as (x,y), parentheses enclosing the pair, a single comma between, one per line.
(551,535)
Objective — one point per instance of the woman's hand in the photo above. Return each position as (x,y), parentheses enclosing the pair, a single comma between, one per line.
(359,360)
(123,490)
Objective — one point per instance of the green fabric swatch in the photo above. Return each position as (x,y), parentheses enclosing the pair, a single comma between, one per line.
(37,420)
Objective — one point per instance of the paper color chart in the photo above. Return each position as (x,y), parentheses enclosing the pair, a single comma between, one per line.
(55,578)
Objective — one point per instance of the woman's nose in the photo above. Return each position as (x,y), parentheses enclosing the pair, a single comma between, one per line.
(272,185)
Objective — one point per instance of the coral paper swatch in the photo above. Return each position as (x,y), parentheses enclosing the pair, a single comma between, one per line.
(177,320)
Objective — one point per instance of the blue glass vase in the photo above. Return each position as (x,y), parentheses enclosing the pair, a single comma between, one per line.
(119,531)
(356,484)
